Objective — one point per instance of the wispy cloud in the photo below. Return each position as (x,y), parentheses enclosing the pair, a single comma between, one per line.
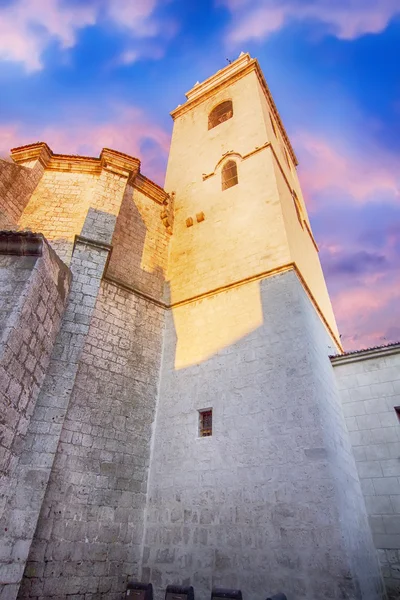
(368,310)
(128,130)
(27,28)
(353,194)
(346,19)
(362,173)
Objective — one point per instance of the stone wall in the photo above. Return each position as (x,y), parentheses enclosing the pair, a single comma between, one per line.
(140,244)
(33,291)
(16,186)
(59,206)
(271,501)
(89,535)
(370,389)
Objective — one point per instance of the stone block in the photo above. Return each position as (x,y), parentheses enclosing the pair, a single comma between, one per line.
(386,486)
(379,505)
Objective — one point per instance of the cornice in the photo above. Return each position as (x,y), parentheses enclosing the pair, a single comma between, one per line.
(39,151)
(238,155)
(234,284)
(110,160)
(21,243)
(119,163)
(219,78)
(227,76)
(368,353)
(150,189)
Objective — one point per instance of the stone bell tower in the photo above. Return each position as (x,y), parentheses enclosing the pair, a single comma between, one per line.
(252,481)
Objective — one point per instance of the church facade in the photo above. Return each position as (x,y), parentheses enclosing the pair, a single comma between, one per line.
(176,404)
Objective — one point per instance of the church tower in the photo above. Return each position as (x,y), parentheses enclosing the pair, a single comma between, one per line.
(252,481)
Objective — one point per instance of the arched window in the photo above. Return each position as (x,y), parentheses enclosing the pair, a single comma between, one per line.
(229,175)
(220,113)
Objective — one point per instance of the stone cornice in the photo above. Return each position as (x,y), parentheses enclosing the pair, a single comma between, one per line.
(39,151)
(234,284)
(227,76)
(238,155)
(117,162)
(21,243)
(368,353)
(150,189)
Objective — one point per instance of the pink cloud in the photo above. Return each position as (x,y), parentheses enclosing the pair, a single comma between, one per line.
(328,166)
(130,131)
(368,313)
(256,19)
(27,27)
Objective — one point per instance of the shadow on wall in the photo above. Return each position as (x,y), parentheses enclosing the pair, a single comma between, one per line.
(139,251)
(205,327)
(271,500)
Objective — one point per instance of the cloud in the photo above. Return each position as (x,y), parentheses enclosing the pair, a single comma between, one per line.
(363,173)
(353,193)
(346,19)
(368,311)
(28,27)
(129,130)
(355,263)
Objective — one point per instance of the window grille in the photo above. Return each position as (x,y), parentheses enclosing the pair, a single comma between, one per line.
(229,175)
(205,425)
(220,113)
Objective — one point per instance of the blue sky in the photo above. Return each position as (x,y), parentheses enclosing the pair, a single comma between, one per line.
(83,74)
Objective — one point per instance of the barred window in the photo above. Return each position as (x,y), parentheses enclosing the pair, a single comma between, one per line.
(220,113)
(229,175)
(205,422)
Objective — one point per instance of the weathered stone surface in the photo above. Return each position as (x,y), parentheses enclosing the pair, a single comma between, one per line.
(272,499)
(370,390)
(268,501)
(16,186)
(33,295)
(89,535)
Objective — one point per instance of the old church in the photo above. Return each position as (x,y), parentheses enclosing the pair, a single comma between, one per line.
(176,406)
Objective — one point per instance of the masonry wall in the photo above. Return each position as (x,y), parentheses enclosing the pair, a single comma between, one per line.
(16,186)
(89,535)
(59,205)
(271,501)
(370,389)
(140,244)
(33,294)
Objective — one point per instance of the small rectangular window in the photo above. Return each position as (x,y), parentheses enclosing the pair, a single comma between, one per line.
(205,422)
(397,409)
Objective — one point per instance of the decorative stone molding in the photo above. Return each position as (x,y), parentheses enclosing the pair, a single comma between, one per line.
(368,353)
(151,189)
(111,160)
(39,151)
(167,214)
(231,153)
(119,163)
(21,243)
